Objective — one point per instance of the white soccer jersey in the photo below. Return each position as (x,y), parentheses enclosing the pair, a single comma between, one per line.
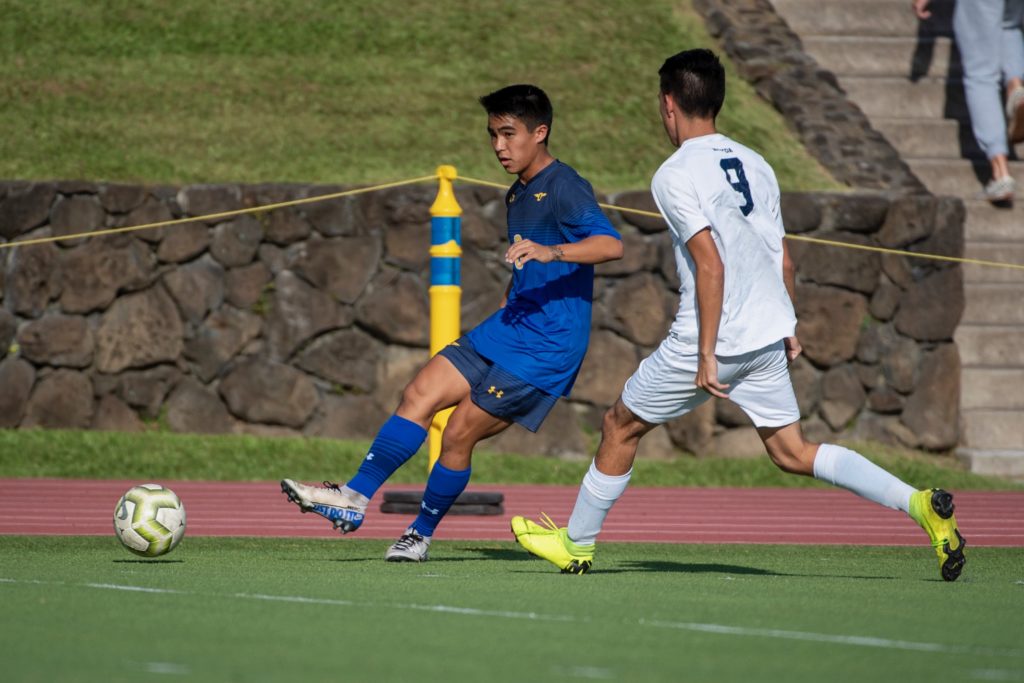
(713,181)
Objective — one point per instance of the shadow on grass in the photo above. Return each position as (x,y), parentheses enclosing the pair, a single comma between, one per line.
(148,561)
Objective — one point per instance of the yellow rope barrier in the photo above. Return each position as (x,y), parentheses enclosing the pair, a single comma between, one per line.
(805,238)
(222,214)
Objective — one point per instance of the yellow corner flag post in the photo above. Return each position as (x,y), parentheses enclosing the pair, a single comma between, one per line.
(445,282)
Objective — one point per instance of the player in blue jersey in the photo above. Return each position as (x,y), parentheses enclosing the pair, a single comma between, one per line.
(514,365)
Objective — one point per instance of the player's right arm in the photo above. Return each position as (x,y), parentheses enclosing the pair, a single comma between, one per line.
(710,281)
(792,344)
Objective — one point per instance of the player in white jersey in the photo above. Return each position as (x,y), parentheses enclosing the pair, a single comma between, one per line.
(733,335)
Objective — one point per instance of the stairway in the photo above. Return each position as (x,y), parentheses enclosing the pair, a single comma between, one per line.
(905,76)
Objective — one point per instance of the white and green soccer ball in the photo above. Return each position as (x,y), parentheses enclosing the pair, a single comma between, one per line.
(149,520)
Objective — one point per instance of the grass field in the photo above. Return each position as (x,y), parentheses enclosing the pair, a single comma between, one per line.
(163,455)
(83,609)
(346,92)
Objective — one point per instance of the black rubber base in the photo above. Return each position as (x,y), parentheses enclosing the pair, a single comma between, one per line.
(468,503)
(942,503)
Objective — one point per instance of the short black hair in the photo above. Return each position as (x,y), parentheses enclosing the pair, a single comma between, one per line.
(528,103)
(695,80)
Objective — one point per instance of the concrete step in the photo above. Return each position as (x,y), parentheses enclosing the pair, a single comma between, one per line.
(864,17)
(893,97)
(990,346)
(1008,464)
(929,138)
(993,304)
(958,177)
(856,55)
(986,429)
(992,388)
(1000,252)
(987,223)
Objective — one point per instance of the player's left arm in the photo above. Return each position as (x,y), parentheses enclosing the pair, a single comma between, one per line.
(589,250)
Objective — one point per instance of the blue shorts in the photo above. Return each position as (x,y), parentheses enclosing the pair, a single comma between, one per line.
(497,390)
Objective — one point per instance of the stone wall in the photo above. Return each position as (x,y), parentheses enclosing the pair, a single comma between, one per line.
(309,320)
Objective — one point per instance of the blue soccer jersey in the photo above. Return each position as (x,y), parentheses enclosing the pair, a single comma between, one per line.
(541,334)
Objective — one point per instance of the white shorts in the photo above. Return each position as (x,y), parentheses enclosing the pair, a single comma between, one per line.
(663,386)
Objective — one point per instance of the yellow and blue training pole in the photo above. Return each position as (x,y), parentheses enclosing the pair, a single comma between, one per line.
(445,282)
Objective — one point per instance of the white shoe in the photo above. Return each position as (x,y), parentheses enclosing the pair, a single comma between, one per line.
(330,502)
(1000,189)
(1015,116)
(411,547)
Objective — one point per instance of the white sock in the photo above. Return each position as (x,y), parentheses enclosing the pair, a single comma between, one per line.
(852,471)
(598,494)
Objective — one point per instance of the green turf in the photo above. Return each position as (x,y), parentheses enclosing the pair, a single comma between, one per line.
(310,610)
(352,92)
(162,455)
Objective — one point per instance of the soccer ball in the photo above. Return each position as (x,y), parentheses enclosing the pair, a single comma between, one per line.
(149,520)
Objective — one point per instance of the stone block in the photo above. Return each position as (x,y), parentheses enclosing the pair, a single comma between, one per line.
(347,416)
(639,255)
(32,279)
(224,333)
(61,400)
(343,217)
(244,286)
(193,408)
(859,212)
(842,396)
(17,377)
(139,330)
(58,340)
(197,288)
(609,362)
(236,242)
(285,226)
(75,215)
(801,211)
(24,209)
(854,269)
(151,210)
(829,323)
(932,412)
(201,200)
(92,274)
(340,266)
(183,242)
(298,312)
(694,431)
(8,328)
(347,358)
(930,309)
(395,308)
(117,198)
(113,415)
(269,392)
(639,309)
(643,201)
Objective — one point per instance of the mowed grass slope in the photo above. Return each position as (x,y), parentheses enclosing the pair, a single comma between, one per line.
(158,455)
(83,609)
(345,92)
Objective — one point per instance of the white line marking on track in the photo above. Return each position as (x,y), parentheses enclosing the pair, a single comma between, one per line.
(719,629)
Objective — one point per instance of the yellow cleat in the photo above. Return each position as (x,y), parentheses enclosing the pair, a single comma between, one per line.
(551,543)
(932,509)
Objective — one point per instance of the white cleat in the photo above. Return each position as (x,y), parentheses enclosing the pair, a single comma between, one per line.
(329,501)
(411,547)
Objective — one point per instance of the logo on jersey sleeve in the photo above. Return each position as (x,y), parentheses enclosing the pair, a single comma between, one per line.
(511,197)
(540,195)
(496,392)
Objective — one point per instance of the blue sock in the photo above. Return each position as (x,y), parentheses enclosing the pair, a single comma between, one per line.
(443,487)
(396,442)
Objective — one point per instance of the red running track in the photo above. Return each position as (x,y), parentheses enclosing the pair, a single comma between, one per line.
(664,515)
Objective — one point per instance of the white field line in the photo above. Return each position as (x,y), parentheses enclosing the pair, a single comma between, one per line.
(718,629)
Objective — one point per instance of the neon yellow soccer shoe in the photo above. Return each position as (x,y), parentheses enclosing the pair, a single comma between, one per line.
(932,509)
(551,543)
